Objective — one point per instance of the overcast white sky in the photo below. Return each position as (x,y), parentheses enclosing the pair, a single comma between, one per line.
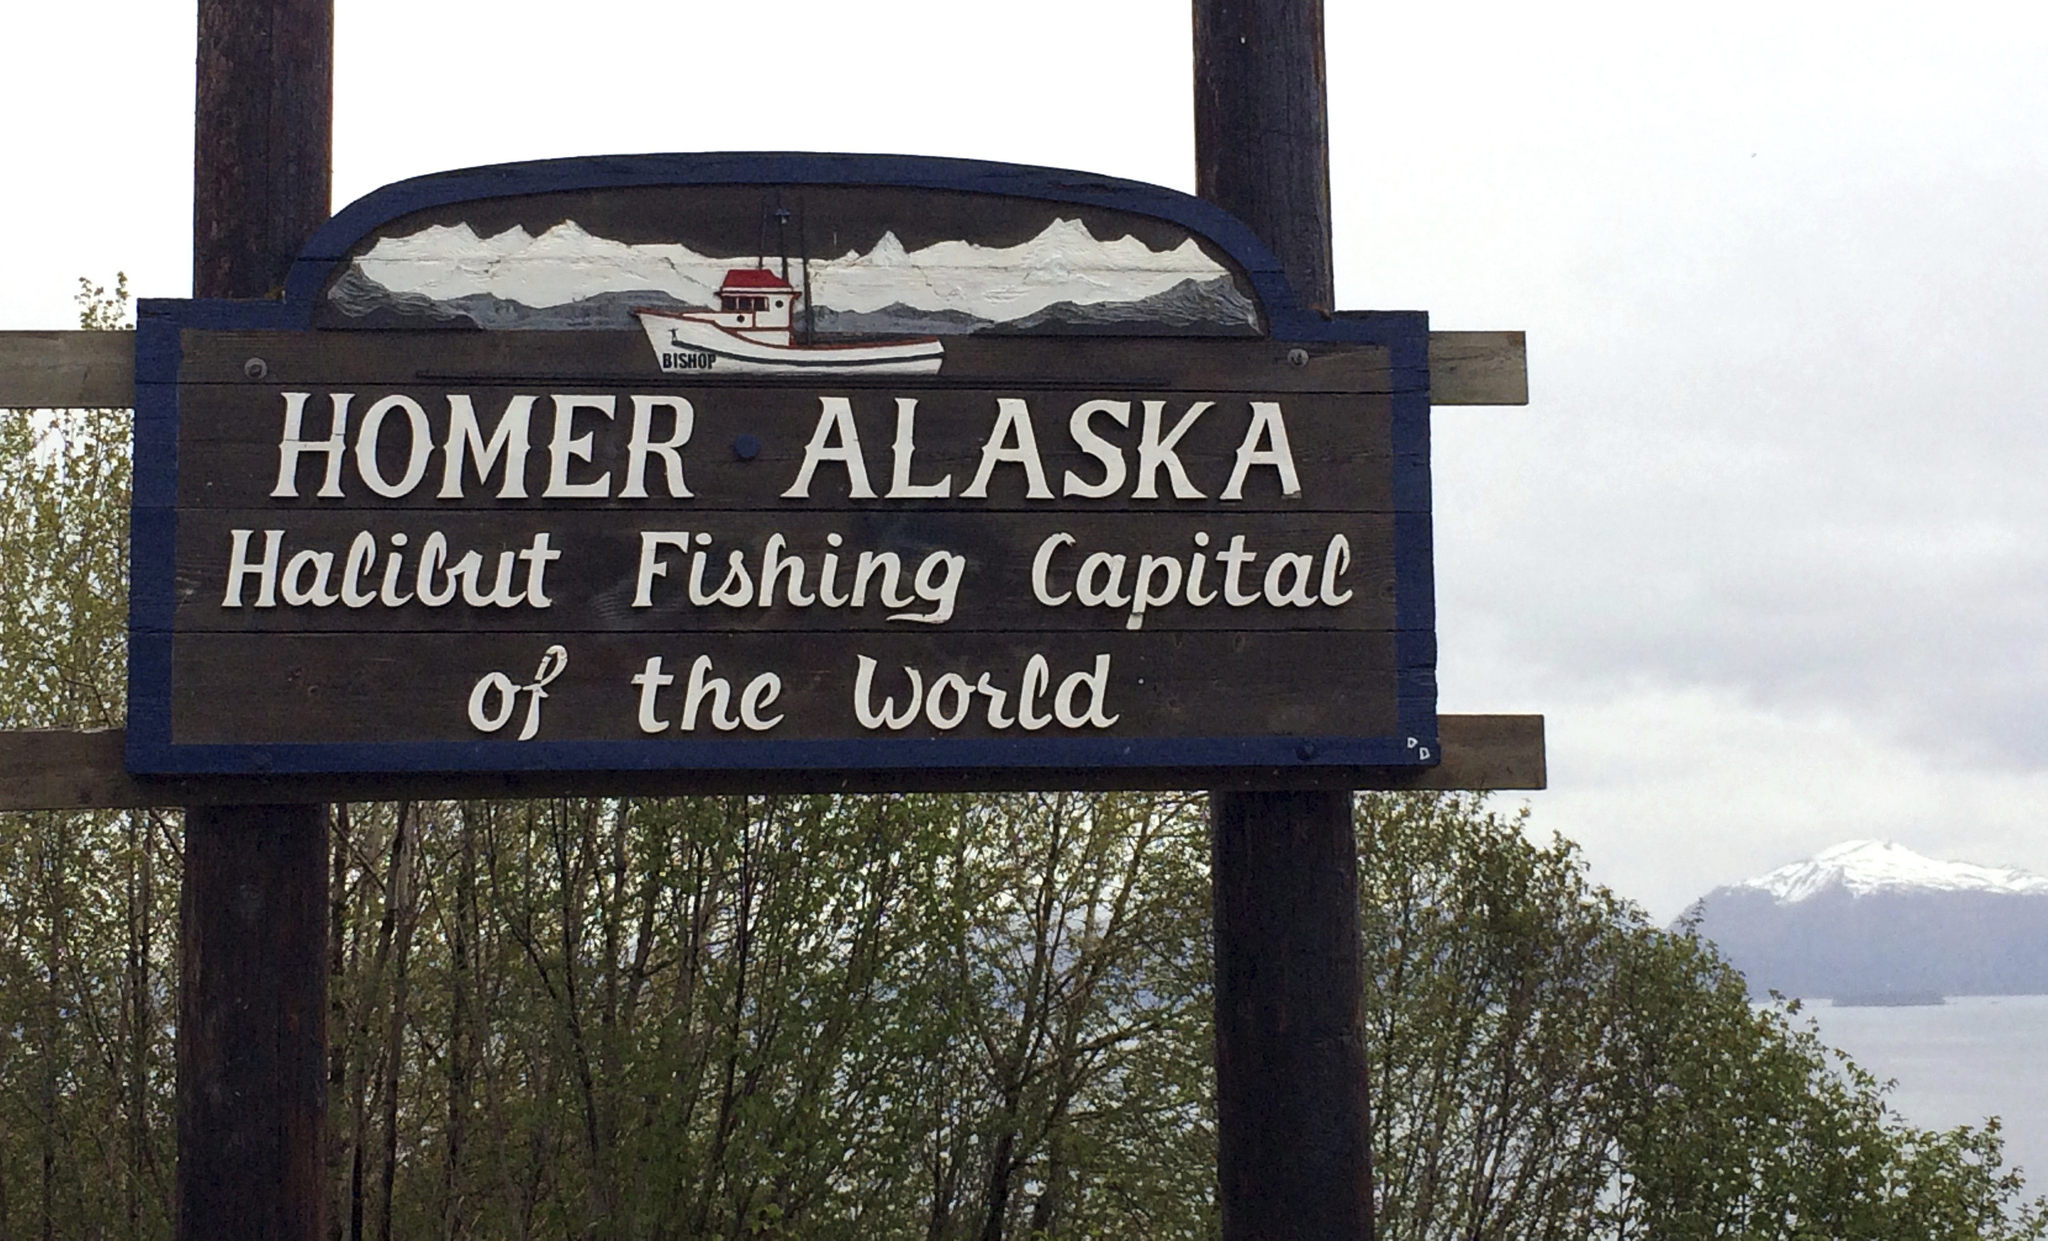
(1765,546)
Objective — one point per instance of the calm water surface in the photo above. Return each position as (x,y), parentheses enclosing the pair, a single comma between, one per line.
(1957,1063)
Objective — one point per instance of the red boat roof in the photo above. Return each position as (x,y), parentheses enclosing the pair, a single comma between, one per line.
(753,278)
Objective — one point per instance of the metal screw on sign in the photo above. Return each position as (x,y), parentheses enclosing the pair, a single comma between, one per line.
(486,719)
(1297,357)
(256,368)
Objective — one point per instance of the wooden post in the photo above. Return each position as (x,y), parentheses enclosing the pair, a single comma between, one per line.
(1262,129)
(1293,1122)
(1293,1154)
(252,1006)
(263,141)
(252,1024)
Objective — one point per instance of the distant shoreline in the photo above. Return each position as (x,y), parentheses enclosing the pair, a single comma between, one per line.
(1889,999)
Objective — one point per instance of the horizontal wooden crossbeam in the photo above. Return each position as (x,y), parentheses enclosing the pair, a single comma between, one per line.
(67,370)
(84,771)
(96,370)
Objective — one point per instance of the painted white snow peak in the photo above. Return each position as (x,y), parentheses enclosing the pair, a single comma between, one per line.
(567,264)
(1063,263)
(1867,866)
(563,265)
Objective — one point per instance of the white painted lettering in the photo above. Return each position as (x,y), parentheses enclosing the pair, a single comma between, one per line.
(298,593)
(1269,428)
(775,565)
(291,446)
(1041,564)
(651,563)
(362,556)
(1011,442)
(372,434)
(1145,595)
(652,680)
(1097,685)
(567,446)
(835,419)
(900,486)
(701,687)
(1094,594)
(1155,452)
(1111,457)
(886,716)
(642,445)
(1298,595)
(1336,561)
(938,583)
(760,694)
(466,437)
(264,570)
(1037,679)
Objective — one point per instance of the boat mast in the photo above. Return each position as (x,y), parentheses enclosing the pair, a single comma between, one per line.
(782,235)
(803,249)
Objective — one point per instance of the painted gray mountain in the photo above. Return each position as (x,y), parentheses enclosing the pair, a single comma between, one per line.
(1872,922)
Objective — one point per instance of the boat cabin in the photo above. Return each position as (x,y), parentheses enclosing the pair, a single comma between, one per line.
(754,299)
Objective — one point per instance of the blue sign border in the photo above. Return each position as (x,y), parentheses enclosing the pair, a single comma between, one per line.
(158,355)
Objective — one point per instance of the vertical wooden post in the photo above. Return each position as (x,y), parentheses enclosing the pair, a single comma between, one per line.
(252,1004)
(1262,129)
(263,141)
(1293,1149)
(252,1024)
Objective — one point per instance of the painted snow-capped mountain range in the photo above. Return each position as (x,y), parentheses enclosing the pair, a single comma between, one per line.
(1873,921)
(1063,279)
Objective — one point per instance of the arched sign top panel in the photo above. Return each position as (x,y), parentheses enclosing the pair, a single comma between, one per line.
(768,463)
(716,205)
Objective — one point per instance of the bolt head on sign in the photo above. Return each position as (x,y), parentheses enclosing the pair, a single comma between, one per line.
(765,464)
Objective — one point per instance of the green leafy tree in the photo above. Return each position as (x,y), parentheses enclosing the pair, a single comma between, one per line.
(1547,1063)
(64,535)
(86,900)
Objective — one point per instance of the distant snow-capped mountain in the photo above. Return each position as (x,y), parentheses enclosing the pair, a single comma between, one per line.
(1865,867)
(1871,920)
(568,276)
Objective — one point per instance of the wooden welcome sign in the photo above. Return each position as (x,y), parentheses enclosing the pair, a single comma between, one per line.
(772,463)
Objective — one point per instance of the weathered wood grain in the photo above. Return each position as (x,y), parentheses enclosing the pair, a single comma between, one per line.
(1478,368)
(252,1002)
(59,370)
(612,357)
(67,370)
(68,770)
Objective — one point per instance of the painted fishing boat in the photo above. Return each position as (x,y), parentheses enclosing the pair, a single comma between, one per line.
(753,331)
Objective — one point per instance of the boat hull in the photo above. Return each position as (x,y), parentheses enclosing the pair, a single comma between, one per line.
(687,345)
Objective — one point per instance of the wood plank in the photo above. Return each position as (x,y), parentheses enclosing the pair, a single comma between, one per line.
(67,370)
(69,770)
(1478,368)
(59,370)
(602,358)
(1483,752)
